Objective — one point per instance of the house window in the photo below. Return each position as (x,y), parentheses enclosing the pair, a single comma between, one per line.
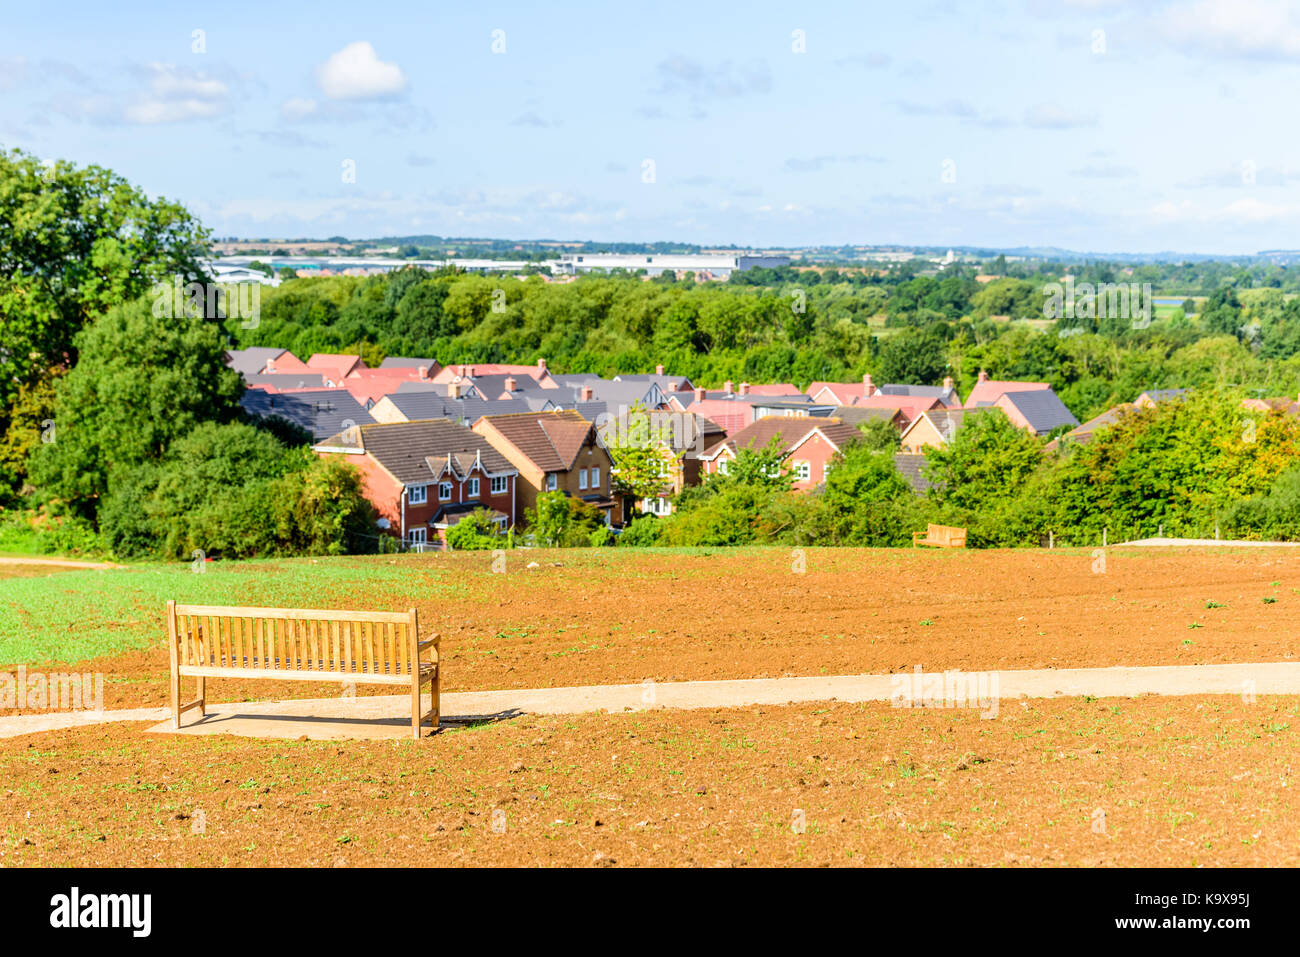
(595,478)
(722,466)
(552,482)
(656,506)
(417,538)
(417,494)
(498,484)
(444,491)
(803,471)
(500,522)
(471,487)
(582,478)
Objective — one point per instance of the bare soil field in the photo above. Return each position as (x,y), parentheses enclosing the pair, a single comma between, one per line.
(1144,781)
(611,616)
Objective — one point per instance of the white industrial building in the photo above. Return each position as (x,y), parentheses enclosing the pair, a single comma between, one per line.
(718,265)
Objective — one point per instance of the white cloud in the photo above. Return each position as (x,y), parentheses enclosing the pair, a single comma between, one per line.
(150,112)
(177,94)
(1247,211)
(1052,116)
(298,108)
(1247,29)
(357,73)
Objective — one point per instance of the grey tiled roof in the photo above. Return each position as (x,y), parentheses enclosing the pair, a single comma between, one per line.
(1042,409)
(431,405)
(405,362)
(288,380)
(416,452)
(322,412)
(252,360)
(909,466)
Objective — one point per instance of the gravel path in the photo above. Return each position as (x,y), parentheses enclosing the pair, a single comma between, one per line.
(383,716)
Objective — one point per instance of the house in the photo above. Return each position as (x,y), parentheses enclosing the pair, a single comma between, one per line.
(840,393)
(848,393)
(253,361)
(1038,411)
(667,383)
(334,367)
(465,409)
(685,441)
(284,381)
(934,428)
(987,391)
(318,412)
(554,452)
(735,409)
(808,444)
(907,406)
(467,371)
(404,362)
(855,415)
(424,477)
(1083,434)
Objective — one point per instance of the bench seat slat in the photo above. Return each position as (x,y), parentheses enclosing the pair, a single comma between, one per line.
(343,677)
(291,613)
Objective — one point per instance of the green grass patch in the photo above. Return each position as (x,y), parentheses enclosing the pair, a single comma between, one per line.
(76,615)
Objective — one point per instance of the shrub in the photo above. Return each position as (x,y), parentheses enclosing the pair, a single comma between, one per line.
(641,533)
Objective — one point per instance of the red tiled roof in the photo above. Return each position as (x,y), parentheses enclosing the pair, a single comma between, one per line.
(790,431)
(550,440)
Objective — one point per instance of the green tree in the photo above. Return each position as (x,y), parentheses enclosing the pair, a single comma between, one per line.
(141,383)
(74,243)
(912,356)
(988,459)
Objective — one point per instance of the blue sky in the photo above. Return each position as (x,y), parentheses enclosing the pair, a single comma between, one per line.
(1091,125)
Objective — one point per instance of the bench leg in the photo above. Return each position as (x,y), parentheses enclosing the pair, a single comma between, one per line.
(202,684)
(415,704)
(175,690)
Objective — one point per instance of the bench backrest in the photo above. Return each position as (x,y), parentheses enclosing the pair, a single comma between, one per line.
(944,533)
(295,639)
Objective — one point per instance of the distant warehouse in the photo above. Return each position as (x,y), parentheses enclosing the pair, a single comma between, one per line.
(719,266)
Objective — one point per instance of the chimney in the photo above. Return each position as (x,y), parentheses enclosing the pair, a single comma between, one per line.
(541,366)
(948,384)
(659,370)
(469,372)
(453,390)
(726,387)
(511,384)
(699,395)
(744,388)
(868,387)
(984,376)
(585,393)
(422,372)
(270,365)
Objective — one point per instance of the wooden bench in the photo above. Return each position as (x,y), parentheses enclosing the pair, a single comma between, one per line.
(350,647)
(940,536)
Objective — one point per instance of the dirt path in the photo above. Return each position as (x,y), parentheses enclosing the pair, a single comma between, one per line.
(56,563)
(387,716)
